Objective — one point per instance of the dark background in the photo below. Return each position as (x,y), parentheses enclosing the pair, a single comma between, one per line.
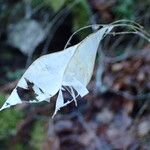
(114,117)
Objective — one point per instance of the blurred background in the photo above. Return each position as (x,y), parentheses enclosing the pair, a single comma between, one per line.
(115,115)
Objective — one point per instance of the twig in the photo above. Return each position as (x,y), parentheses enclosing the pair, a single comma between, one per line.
(129,96)
(99,72)
(140,112)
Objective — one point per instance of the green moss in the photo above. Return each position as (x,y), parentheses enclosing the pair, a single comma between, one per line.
(36,3)
(56,4)
(9,119)
(125,9)
(38,135)
(80,15)
(19,146)
(81,18)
